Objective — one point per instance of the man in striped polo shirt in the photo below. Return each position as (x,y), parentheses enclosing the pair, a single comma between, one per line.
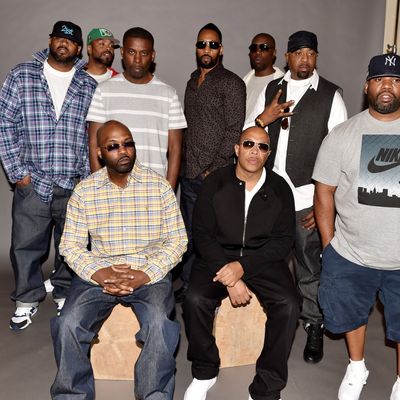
(148,106)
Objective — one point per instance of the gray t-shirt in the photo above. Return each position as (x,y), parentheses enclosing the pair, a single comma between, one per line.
(362,158)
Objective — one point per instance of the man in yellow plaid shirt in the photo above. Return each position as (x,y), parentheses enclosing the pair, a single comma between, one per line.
(137,236)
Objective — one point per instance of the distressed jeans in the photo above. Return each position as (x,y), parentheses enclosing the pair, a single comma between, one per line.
(85,310)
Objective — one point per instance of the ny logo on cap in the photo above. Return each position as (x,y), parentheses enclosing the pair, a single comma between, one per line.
(390,61)
(66,30)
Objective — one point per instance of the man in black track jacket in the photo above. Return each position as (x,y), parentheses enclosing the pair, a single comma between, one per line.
(243,230)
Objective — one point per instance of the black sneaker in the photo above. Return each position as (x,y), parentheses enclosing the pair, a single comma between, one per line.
(22,317)
(314,350)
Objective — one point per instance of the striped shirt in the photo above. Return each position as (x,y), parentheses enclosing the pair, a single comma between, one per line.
(149,110)
(32,140)
(139,224)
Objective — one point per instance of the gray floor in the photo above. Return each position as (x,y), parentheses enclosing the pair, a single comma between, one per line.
(28,367)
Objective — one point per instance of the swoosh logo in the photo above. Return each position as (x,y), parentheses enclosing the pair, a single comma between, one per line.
(374,169)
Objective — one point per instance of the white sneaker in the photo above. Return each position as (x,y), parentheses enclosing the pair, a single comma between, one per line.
(22,317)
(353,381)
(198,389)
(60,305)
(48,286)
(396,390)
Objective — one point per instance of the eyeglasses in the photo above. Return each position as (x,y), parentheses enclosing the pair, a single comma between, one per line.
(116,146)
(201,44)
(285,121)
(263,47)
(249,144)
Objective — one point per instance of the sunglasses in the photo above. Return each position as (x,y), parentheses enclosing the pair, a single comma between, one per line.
(285,121)
(116,146)
(249,144)
(201,44)
(262,47)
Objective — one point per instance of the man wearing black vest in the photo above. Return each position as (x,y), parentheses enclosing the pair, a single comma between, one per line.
(297,128)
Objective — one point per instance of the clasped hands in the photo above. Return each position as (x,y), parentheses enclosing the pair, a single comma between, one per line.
(120,279)
(230,275)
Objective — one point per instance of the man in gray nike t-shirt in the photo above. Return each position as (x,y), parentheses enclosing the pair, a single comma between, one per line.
(357,208)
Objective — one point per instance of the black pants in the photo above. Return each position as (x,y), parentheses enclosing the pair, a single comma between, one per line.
(308,269)
(276,291)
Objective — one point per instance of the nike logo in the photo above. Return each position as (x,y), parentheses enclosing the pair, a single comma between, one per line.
(390,155)
(374,169)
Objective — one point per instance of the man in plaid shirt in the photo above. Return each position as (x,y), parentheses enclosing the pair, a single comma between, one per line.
(137,236)
(44,152)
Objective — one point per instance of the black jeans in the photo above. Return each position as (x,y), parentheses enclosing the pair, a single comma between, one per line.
(277,293)
(189,191)
(308,269)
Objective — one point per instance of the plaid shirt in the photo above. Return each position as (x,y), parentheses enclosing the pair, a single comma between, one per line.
(139,224)
(32,141)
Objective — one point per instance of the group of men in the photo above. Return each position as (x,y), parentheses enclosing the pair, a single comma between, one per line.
(250,200)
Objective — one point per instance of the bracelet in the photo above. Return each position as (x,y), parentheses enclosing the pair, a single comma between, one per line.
(259,122)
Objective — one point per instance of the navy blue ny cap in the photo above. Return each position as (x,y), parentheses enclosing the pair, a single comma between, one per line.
(384,65)
(68,30)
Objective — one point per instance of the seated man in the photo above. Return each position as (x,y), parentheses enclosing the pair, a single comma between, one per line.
(243,229)
(137,236)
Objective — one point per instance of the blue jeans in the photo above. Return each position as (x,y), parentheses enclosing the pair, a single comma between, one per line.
(33,223)
(85,310)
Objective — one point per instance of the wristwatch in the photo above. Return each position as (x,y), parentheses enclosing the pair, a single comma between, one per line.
(259,122)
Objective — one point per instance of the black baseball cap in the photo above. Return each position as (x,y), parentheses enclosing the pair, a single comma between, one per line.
(384,65)
(68,30)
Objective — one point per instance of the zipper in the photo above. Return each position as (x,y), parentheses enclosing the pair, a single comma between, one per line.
(244,235)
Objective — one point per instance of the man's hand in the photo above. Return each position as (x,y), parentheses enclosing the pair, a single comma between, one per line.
(229,274)
(274,110)
(25,181)
(309,221)
(240,294)
(120,279)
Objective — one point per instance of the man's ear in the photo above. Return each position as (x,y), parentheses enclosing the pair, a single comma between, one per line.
(237,150)
(99,153)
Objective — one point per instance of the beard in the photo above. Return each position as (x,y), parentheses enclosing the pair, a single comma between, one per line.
(207,65)
(384,107)
(105,59)
(62,58)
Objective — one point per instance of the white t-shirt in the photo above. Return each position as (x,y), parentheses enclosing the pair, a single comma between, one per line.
(255,93)
(249,194)
(103,77)
(361,158)
(58,82)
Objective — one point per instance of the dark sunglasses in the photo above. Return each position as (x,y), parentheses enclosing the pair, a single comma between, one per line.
(116,146)
(262,47)
(201,44)
(285,121)
(249,144)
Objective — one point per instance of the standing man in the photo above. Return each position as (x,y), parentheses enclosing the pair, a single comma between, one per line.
(137,236)
(43,148)
(100,49)
(357,208)
(148,106)
(262,58)
(297,128)
(215,106)
(243,228)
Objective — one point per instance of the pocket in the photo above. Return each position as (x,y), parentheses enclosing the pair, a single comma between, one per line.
(24,191)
